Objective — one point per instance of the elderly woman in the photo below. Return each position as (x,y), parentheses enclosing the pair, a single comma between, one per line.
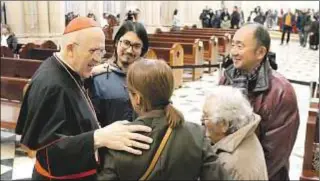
(8,38)
(180,150)
(230,123)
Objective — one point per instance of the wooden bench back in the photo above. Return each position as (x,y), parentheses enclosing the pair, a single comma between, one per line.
(49,45)
(312,136)
(224,42)
(33,51)
(23,68)
(12,88)
(174,57)
(6,52)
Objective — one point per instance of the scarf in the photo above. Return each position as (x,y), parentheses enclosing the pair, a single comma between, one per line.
(245,81)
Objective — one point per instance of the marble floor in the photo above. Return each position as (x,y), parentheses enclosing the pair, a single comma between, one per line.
(294,62)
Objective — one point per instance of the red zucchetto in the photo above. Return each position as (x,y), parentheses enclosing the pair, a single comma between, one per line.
(80,23)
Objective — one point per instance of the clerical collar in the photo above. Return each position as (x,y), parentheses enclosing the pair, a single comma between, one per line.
(73,73)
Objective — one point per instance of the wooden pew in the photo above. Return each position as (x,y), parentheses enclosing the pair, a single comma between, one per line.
(211,30)
(210,46)
(223,48)
(23,68)
(151,54)
(312,136)
(224,40)
(49,45)
(12,92)
(308,172)
(33,51)
(109,48)
(197,32)
(12,88)
(314,90)
(6,52)
(174,57)
(11,96)
(193,53)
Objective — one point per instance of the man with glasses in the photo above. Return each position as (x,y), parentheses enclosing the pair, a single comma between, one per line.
(57,118)
(108,90)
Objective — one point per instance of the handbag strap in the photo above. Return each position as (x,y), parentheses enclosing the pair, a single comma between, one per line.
(157,155)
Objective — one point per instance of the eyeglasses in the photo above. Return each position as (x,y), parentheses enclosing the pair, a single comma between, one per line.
(96,51)
(125,44)
(204,118)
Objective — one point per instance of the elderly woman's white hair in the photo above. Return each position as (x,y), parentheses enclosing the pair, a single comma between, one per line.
(226,103)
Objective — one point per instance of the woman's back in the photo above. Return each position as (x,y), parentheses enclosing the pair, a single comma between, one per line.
(187,155)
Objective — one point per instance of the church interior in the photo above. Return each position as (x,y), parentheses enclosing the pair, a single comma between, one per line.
(195,38)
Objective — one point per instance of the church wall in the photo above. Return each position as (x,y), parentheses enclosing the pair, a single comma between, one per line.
(45,19)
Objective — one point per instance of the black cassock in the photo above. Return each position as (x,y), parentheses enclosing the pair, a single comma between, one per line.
(57,120)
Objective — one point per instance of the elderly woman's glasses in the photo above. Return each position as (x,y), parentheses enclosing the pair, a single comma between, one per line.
(125,44)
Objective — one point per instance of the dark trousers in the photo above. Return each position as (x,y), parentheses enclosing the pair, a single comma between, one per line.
(303,37)
(235,26)
(288,30)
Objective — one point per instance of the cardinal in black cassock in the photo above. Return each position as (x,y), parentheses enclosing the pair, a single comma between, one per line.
(57,119)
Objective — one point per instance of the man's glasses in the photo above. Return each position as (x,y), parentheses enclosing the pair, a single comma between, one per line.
(125,44)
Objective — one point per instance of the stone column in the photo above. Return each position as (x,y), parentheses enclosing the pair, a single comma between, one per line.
(123,7)
(43,18)
(15,16)
(30,9)
(156,13)
(56,17)
(95,7)
(150,11)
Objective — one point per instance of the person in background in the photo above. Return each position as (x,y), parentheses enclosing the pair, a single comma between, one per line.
(235,18)
(225,23)
(242,20)
(225,13)
(175,21)
(275,16)
(216,21)
(91,15)
(260,18)
(104,22)
(230,124)
(269,19)
(304,27)
(8,38)
(137,16)
(110,28)
(314,33)
(287,23)
(118,18)
(205,18)
(186,154)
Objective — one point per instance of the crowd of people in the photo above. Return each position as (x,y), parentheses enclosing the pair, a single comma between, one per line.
(304,22)
(307,23)
(222,18)
(251,118)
